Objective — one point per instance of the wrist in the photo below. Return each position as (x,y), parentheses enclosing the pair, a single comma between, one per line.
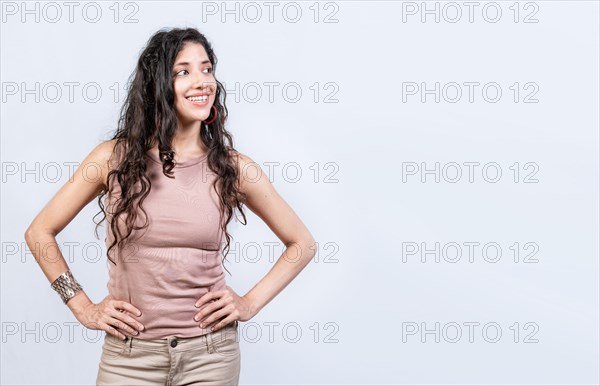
(253,305)
(78,303)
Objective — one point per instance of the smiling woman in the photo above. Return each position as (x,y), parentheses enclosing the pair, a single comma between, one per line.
(194,83)
(172,181)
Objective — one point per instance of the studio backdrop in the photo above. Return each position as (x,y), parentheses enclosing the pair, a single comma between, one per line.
(444,156)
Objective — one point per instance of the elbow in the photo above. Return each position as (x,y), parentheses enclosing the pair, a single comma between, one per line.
(31,233)
(29,237)
(302,248)
(37,228)
(28,234)
(309,247)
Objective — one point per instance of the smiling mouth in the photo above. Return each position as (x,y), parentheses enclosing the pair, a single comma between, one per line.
(198,99)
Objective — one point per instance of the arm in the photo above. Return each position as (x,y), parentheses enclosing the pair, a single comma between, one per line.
(266,203)
(82,188)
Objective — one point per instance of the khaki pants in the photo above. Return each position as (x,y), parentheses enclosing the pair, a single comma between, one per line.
(210,359)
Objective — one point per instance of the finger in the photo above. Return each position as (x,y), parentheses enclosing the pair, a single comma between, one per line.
(127,319)
(222,323)
(127,307)
(209,296)
(121,325)
(213,318)
(111,330)
(209,309)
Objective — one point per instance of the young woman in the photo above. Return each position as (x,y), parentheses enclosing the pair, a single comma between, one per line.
(173,181)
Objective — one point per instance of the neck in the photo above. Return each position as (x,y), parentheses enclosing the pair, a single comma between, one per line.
(186,140)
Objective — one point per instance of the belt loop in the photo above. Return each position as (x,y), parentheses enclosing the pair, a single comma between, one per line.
(129,345)
(209,342)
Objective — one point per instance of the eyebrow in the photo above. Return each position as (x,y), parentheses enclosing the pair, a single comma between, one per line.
(187,63)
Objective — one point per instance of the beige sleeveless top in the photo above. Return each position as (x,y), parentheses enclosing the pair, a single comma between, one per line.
(168,266)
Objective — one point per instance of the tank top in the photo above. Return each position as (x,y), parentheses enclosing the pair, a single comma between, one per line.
(164,269)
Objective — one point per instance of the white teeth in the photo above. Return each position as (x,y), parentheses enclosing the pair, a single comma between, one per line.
(198,98)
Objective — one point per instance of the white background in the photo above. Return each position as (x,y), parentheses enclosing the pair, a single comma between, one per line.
(362,206)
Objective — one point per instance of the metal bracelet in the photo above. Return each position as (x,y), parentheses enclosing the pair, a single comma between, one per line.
(66,286)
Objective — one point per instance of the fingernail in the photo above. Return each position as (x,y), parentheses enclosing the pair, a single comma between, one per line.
(202,325)
(139,314)
(196,304)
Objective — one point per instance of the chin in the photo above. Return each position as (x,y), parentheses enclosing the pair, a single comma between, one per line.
(185,119)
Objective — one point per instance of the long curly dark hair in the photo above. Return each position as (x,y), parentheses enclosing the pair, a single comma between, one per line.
(148,117)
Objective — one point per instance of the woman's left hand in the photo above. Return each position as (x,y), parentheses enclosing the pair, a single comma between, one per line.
(224,307)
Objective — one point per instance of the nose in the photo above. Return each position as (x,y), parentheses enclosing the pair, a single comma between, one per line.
(203,81)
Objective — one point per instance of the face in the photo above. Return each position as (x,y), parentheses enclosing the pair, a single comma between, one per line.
(194,83)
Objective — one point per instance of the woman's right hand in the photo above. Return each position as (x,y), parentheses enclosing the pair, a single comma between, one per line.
(108,315)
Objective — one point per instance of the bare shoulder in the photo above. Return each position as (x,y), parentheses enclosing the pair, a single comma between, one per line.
(105,149)
(249,170)
(103,155)
(240,158)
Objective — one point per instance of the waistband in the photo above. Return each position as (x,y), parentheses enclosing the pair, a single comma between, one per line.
(181,344)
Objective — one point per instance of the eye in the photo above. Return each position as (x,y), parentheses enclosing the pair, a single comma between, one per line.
(180,72)
(210,70)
